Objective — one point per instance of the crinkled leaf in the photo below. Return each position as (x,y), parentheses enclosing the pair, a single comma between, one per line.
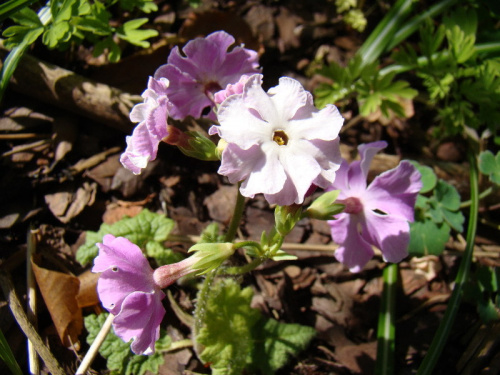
(227,331)
(162,255)
(428,237)
(141,229)
(276,342)
(489,165)
(211,234)
(120,359)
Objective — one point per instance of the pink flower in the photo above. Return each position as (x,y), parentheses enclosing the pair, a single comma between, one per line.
(376,215)
(279,144)
(129,289)
(151,115)
(231,89)
(204,68)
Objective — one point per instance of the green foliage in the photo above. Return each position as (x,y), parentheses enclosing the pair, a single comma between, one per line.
(120,359)
(489,165)
(7,356)
(73,21)
(435,215)
(372,90)
(147,230)
(276,342)
(482,289)
(463,86)
(236,336)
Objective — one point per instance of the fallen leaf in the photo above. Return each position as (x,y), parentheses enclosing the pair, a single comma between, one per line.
(66,205)
(59,292)
(87,293)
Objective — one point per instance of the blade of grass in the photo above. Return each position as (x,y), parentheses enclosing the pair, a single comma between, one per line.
(8,357)
(10,65)
(439,341)
(382,35)
(386,328)
(12,6)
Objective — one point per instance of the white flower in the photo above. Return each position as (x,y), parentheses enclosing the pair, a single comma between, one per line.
(279,144)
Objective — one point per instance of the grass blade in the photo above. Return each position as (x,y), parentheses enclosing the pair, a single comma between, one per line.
(12,6)
(386,331)
(439,341)
(8,357)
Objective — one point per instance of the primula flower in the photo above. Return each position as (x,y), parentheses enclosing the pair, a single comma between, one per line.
(151,115)
(278,143)
(129,289)
(377,214)
(205,67)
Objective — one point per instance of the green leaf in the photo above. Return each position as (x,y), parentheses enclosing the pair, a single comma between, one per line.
(489,165)
(448,202)
(276,343)
(428,177)
(120,359)
(141,229)
(56,34)
(11,7)
(129,32)
(162,255)
(226,334)
(7,356)
(428,237)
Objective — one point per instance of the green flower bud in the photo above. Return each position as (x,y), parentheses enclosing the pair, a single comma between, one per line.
(199,147)
(209,256)
(286,217)
(324,208)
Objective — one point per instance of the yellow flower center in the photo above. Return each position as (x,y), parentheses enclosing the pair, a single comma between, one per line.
(280,138)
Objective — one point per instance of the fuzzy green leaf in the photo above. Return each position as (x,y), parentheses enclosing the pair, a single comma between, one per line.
(141,229)
(276,342)
(226,335)
(120,359)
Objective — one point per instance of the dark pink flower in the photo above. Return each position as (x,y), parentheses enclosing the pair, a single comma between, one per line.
(204,67)
(377,214)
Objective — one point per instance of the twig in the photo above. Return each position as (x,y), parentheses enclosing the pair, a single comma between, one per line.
(28,329)
(94,348)
(23,136)
(34,366)
(26,147)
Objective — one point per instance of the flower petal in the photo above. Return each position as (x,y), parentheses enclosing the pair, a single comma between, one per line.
(288,97)
(358,172)
(124,269)
(354,251)
(395,191)
(389,233)
(139,319)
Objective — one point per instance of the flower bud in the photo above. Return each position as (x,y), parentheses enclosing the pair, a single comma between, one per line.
(286,217)
(324,208)
(209,256)
(200,147)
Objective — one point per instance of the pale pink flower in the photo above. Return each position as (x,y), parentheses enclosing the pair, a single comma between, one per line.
(231,89)
(151,115)
(205,66)
(129,289)
(278,143)
(377,214)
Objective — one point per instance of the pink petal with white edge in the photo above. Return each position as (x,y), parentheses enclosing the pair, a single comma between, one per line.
(395,191)
(353,251)
(141,148)
(140,319)
(390,234)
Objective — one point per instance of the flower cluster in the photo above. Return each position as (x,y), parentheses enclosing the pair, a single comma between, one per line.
(185,86)
(377,214)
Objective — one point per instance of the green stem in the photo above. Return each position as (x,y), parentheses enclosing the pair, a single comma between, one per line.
(199,311)
(386,328)
(236,219)
(484,194)
(436,348)
(176,345)
(240,270)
